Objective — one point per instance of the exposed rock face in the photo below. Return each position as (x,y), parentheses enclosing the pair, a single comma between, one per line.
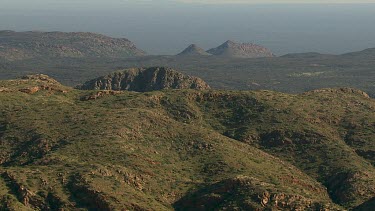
(241,50)
(145,79)
(24,45)
(246,193)
(193,50)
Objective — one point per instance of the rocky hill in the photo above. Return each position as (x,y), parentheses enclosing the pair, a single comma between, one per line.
(24,45)
(240,50)
(145,79)
(193,50)
(184,149)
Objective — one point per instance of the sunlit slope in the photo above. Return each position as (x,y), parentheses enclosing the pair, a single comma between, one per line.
(62,148)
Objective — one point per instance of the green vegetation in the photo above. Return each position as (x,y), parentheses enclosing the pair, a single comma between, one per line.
(184,149)
(291,74)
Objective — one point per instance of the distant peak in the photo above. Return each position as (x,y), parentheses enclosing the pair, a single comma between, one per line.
(27,45)
(193,46)
(230,42)
(193,50)
(242,50)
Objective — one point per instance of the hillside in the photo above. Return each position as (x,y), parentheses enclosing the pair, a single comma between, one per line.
(369,53)
(240,50)
(26,45)
(145,79)
(193,50)
(183,149)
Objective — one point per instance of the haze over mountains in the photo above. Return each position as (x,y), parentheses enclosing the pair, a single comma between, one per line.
(241,50)
(284,28)
(92,122)
(294,73)
(26,45)
(230,49)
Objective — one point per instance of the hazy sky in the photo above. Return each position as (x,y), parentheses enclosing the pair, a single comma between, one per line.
(24,3)
(276,1)
(168,26)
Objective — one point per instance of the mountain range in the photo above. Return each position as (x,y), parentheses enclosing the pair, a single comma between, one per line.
(31,44)
(229,49)
(292,73)
(26,45)
(172,147)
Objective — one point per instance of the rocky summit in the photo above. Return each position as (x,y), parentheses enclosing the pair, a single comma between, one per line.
(193,50)
(145,79)
(31,44)
(240,50)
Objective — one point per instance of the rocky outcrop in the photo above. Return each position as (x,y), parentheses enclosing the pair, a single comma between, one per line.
(42,82)
(241,50)
(23,193)
(31,84)
(40,77)
(25,45)
(193,50)
(145,79)
(30,90)
(344,90)
(247,193)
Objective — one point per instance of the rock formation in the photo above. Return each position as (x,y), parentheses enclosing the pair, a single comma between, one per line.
(145,79)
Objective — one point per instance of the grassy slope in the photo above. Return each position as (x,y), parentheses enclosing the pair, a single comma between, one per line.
(162,149)
(328,134)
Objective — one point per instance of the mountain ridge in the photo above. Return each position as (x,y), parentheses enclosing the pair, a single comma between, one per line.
(145,79)
(193,50)
(30,44)
(240,50)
